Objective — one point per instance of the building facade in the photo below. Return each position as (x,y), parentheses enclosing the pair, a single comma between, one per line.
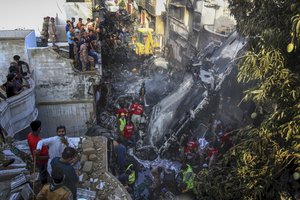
(151,14)
(190,23)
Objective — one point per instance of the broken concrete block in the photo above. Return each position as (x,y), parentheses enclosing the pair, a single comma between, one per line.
(92,157)
(85,177)
(98,144)
(15,196)
(11,173)
(27,192)
(97,139)
(83,158)
(85,194)
(89,151)
(87,167)
(18,181)
(86,184)
(87,143)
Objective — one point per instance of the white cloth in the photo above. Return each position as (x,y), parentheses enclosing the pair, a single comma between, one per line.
(136,120)
(202,143)
(55,148)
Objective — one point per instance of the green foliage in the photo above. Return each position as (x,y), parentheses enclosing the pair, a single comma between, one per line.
(122,4)
(261,164)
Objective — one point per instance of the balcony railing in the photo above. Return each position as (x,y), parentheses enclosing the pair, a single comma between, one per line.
(17,112)
(178,2)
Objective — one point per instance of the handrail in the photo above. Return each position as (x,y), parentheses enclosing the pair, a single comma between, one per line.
(208,26)
(17,112)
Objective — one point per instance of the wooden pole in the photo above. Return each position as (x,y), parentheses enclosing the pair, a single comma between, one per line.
(34,169)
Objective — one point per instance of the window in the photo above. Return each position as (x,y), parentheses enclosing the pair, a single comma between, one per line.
(197,21)
(177,12)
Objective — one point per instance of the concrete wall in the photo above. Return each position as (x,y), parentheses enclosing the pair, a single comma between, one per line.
(159,26)
(160,7)
(179,28)
(211,16)
(83,10)
(73,115)
(61,33)
(30,40)
(17,112)
(62,95)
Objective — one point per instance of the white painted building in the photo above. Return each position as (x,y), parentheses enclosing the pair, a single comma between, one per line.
(188,20)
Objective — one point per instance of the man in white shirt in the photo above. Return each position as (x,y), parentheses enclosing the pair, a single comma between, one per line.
(56,145)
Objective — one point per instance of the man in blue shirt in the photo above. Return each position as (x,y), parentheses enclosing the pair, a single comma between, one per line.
(70,42)
(120,152)
(69,156)
(68,25)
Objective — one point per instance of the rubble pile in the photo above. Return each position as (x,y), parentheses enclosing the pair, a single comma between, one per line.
(15,179)
(94,178)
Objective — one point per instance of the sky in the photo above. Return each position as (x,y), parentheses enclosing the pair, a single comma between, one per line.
(27,14)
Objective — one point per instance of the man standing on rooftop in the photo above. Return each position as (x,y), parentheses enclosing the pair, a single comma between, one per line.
(42,158)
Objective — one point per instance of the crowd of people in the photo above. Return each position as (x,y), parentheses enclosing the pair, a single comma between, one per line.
(16,79)
(84,43)
(55,157)
(130,120)
(193,151)
(87,39)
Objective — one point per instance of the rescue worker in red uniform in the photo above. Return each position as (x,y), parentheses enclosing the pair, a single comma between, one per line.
(121,110)
(136,110)
(192,146)
(128,132)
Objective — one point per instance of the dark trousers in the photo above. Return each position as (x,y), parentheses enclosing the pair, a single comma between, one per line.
(43,172)
(71,51)
(95,56)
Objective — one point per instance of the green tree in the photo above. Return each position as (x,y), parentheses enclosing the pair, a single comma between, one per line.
(264,163)
(122,4)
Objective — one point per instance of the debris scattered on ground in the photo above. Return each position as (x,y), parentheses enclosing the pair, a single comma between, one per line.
(94,178)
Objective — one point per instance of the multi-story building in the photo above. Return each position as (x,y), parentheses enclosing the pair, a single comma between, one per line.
(189,22)
(151,16)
